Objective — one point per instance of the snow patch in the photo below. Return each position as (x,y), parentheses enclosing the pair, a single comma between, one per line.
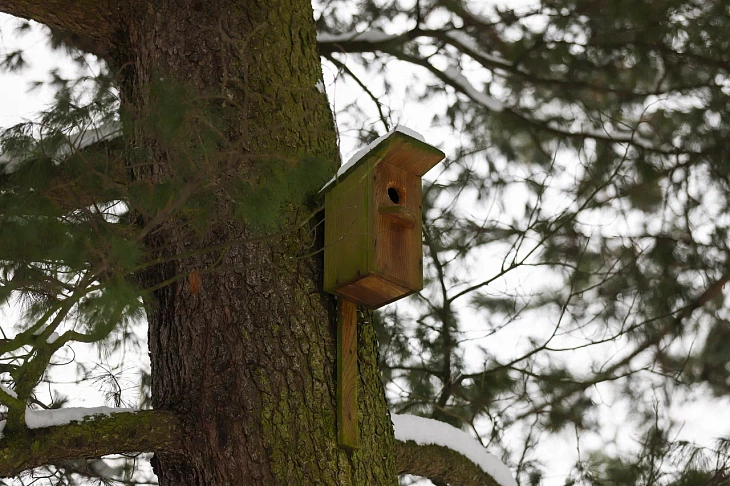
(76,142)
(43,327)
(424,431)
(9,391)
(52,338)
(363,151)
(320,86)
(468,89)
(2,427)
(469,44)
(36,419)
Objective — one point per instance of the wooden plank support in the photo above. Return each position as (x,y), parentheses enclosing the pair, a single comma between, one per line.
(399,215)
(347,428)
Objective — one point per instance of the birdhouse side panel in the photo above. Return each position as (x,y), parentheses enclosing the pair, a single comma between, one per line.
(397,218)
(348,246)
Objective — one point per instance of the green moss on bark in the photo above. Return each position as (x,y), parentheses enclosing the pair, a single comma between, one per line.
(144,431)
(248,362)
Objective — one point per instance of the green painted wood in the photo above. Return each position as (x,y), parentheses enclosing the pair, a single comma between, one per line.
(349,239)
(347,427)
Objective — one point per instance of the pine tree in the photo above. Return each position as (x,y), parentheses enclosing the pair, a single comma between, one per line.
(577,230)
(197,217)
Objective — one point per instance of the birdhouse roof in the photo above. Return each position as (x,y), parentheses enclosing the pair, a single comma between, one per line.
(401,147)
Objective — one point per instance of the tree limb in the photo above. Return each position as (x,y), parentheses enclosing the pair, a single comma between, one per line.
(378,105)
(613,372)
(92,171)
(95,21)
(440,464)
(359,43)
(143,431)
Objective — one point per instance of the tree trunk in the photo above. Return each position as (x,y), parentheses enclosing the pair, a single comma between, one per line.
(243,347)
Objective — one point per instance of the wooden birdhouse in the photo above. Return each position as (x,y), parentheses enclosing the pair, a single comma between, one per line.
(372,248)
(372,253)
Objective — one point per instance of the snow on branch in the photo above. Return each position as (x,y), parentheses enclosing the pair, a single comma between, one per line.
(107,131)
(76,142)
(7,390)
(54,436)
(464,42)
(9,398)
(425,432)
(459,80)
(36,419)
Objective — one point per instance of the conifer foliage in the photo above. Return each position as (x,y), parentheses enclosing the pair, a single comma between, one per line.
(576,239)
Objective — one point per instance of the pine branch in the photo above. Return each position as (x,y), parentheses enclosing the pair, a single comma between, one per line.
(440,464)
(95,21)
(62,185)
(622,367)
(143,431)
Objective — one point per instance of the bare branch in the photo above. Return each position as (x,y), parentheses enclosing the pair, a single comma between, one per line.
(622,367)
(343,67)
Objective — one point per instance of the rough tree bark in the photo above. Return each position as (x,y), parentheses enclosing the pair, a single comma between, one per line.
(247,362)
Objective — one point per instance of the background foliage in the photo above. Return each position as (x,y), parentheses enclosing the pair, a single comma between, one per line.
(576,238)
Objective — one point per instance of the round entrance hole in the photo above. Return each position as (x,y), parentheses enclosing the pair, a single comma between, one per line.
(394,195)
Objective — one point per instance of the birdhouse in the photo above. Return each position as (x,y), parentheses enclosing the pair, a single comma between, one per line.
(372,253)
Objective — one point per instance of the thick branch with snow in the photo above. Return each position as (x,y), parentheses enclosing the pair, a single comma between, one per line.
(426,447)
(445,454)
(440,464)
(54,436)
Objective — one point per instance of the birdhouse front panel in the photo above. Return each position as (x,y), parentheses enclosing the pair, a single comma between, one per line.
(373,253)
(397,223)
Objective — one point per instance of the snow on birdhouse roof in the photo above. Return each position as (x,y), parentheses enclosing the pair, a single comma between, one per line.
(360,154)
